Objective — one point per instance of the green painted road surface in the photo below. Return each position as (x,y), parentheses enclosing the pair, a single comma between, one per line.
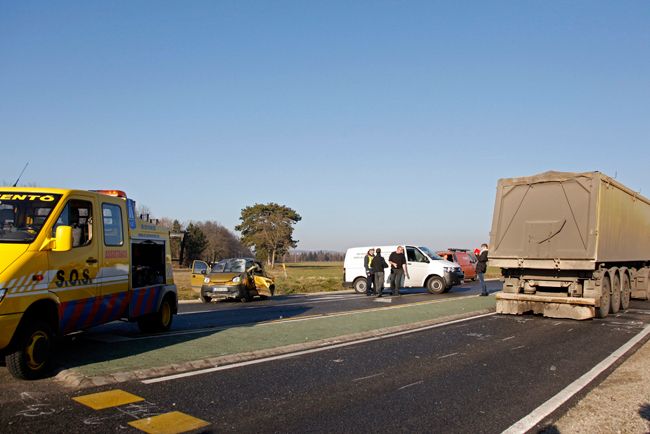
(91,358)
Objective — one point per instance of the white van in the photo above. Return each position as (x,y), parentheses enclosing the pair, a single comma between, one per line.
(426,269)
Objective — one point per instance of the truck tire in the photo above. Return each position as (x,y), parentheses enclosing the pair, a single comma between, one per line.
(603,310)
(360,285)
(436,285)
(626,291)
(615,302)
(159,321)
(33,351)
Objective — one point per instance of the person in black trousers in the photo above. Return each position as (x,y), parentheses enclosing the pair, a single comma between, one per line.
(397,261)
(378,266)
(481,268)
(367,264)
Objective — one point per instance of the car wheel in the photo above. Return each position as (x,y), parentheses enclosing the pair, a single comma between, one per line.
(245,296)
(205,299)
(435,285)
(32,356)
(360,285)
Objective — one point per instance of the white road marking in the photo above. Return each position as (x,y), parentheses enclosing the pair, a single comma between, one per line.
(310,351)
(412,384)
(508,338)
(518,348)
(369,376)
(448,355)
(536,416)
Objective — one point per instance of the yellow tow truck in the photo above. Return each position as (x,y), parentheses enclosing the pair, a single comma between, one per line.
(73,259)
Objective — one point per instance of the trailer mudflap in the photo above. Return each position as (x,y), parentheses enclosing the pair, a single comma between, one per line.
(552,307)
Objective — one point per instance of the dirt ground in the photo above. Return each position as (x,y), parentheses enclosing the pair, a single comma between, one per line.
(620,404)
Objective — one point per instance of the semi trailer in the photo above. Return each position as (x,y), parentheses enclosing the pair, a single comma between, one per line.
(570,245)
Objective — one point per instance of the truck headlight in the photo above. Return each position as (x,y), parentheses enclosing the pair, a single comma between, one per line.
(236,279)
(206,280)
(3,291)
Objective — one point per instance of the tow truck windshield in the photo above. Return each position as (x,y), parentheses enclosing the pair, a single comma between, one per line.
(22,215)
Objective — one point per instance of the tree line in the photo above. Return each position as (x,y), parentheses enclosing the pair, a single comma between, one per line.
(266,233)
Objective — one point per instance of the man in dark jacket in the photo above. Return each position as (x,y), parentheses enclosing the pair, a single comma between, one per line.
(481,268)
(378,266)
(398,269)
(367,264)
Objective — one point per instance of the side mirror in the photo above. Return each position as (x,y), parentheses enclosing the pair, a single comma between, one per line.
(63,239)
(204,271)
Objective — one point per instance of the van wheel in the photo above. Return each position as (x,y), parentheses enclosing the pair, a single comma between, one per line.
(603,310)
(32,357)
(360,285)
(160,321)
(435,285)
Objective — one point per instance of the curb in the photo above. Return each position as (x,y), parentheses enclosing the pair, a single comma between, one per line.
(343,291)
(72,379)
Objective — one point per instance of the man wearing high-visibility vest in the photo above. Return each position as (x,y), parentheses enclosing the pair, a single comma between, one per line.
(370,276)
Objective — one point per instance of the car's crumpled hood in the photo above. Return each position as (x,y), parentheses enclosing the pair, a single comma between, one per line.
(9,253)
(222,277)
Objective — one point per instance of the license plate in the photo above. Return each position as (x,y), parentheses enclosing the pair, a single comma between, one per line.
(220,289)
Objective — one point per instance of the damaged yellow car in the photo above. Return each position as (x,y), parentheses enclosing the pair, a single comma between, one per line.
(236,278)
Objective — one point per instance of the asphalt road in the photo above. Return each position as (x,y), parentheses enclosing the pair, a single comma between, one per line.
(480,375)
(225,313)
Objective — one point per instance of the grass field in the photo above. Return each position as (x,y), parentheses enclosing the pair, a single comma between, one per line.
(301,277)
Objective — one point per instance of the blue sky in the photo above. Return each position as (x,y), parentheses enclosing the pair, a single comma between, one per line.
(378,121)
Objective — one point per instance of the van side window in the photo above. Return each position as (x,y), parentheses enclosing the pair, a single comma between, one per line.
(79,215)
(113,228)
(414,255)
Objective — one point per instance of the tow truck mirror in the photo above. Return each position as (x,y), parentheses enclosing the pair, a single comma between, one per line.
(63,239)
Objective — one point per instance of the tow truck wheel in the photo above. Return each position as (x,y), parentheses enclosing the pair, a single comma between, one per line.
(603,310)
(435,285)
(32,356)
(615,303)
(625,291)
(160,321)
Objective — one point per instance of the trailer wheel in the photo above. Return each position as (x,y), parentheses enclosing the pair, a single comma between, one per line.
(32,356)
(626,291)
(435,285)
(603,310)
(360,285)
(160,321)
(615,303)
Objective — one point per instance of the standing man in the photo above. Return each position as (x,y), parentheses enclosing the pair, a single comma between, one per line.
(481,268)
(397,261)
(367,264)
(378,266)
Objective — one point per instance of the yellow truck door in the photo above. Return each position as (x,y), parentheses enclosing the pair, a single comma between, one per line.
(114,257)
(72,275)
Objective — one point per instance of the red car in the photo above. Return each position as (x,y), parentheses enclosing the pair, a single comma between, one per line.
(464,258)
